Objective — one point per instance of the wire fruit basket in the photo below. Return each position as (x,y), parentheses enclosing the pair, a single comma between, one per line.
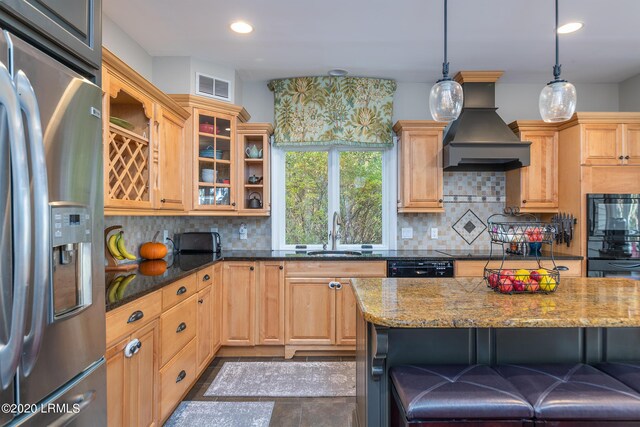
(521,234)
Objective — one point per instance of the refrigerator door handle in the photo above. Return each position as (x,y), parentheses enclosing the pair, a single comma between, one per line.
(42,221)
(21,200)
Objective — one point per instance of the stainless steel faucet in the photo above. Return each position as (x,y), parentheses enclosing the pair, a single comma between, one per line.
(337,221)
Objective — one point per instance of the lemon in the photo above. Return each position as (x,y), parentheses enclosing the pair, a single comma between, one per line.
(547,284)
(522,274)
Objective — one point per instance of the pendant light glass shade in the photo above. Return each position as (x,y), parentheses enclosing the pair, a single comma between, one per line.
(557,101)
(445,100)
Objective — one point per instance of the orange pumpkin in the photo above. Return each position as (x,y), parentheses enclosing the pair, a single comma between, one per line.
(153,250)
(153,267)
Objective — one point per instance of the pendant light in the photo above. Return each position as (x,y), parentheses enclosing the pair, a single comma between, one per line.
(445,99)
(558,98)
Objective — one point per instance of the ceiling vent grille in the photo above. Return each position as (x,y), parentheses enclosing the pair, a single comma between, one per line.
(213,87)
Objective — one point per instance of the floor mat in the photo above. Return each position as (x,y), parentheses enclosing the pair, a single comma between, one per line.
(221,414)
(278,379)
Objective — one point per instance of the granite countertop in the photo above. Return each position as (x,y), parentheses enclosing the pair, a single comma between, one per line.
(461,254)
(468,303)
(182,265)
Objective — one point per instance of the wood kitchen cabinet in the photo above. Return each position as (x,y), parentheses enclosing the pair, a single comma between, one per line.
(238,303)
(205,328)
(420,172)
(253,172)
(271,303)
(345,314)
(213,155)
(310,311)
(143,140)
(610,143)
(132,380)
(534,188)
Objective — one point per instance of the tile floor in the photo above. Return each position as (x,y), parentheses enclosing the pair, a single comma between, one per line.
(288,411)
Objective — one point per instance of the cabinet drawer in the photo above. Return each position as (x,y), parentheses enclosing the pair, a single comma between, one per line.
(177,328)
(476,268)
(178,291)
(205,277)
(130,317)
(176,378)
(336,269)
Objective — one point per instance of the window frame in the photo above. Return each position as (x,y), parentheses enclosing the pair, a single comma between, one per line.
(389,195)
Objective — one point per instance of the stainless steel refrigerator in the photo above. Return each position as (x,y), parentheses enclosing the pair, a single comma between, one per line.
(52,311)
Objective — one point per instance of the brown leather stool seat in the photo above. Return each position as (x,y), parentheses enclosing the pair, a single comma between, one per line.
(455,392)
(573,392)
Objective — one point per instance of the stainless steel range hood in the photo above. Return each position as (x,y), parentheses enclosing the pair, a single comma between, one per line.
(479,140)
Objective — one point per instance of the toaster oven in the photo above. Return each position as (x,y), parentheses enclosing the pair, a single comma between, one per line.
(198,242)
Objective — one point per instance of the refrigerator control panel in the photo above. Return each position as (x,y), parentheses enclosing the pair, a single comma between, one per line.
(70,224)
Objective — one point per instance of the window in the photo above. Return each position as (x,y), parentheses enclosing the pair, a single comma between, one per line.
(311,184)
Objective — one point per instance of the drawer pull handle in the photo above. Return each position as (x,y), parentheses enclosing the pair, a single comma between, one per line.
(181,376)
(206,278)
(181,327)
(181,290)
(135,316)
(200,301)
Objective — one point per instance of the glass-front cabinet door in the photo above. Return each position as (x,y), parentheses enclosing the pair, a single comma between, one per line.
(215,161)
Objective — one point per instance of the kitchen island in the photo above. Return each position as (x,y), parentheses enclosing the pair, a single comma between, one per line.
(461,321)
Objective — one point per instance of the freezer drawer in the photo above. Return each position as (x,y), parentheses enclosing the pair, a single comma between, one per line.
(81,403)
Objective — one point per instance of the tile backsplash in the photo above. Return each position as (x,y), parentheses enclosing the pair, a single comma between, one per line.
(481,192)
(140,229)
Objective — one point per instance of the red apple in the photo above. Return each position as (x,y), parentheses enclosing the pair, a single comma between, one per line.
(533,286)
(507,274)
(494,280)
(506,286)
(518,285)
(535,276)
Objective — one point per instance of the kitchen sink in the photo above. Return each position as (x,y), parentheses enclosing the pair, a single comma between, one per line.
(333,253)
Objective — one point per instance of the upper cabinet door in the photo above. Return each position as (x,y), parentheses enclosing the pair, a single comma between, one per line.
(74,25)
(632,144)
(602,144)
(539,180)
(171,162)
(420,170)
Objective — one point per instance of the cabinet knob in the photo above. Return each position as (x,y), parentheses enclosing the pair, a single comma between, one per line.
(281,267)
(181,327)
(132,348)
(181,376)
(135,316)
(163,200)
(200,301)
(626,157)
(233,204)
(332,285)
(524,202)
(338,285)
(621,157)
(206,278)
(181,290)
(252,268)
(440,200)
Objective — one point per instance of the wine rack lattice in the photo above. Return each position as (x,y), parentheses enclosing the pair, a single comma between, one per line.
(128,165)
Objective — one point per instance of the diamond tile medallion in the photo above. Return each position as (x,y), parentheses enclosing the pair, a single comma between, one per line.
(469,226)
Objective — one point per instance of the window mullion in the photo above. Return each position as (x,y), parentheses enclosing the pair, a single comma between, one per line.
(334,189)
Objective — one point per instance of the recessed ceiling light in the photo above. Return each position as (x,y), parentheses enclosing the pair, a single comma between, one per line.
(241,27)
(338,72)
(570,27)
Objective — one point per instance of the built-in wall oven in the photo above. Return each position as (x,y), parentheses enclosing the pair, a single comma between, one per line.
(613,239)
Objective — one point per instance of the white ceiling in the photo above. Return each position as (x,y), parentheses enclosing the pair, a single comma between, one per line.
(399,39)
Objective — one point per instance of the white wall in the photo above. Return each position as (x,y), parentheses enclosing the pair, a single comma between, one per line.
(257,99)
(125,48)
(630,94)
(172,74)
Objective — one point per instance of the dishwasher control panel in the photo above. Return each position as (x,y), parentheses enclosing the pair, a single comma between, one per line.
(420,268)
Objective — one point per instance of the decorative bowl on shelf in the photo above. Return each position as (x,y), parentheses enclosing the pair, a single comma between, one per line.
(522,281)
(207,128)
(208,175)
(210,153)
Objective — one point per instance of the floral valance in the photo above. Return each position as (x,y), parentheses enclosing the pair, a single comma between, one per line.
(333,111)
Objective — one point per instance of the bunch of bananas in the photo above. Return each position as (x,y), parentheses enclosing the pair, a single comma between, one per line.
(117,247)
(118,286)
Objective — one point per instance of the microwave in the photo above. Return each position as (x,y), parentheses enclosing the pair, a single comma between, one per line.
(613,217)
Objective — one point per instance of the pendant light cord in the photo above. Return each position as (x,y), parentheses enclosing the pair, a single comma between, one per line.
(557,67)
(445,64)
